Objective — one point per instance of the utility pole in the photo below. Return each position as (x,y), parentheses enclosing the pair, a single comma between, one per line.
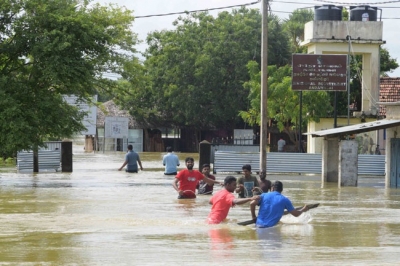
(264,88)
(348,37)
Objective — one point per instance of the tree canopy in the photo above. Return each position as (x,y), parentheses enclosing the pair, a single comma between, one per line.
(283,103)
(294,26)
(195,73)
(387,65)
(49,48)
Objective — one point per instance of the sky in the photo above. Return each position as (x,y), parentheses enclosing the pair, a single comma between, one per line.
(282,8)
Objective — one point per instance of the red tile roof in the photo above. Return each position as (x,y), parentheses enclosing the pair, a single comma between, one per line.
(389,92)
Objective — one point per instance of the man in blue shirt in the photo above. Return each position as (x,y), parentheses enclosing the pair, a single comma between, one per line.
(170,161)
(132,160)
(272,206)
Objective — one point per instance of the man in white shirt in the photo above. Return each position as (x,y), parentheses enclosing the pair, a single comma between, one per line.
(281,144)
(170,161)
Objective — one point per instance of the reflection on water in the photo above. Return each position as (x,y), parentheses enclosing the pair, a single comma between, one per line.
(221,243)
(100,216)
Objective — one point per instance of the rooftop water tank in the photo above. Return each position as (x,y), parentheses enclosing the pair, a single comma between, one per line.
(363,13)
(328,12)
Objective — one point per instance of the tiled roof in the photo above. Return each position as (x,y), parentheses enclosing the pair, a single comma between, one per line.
(111,109)
(389,92)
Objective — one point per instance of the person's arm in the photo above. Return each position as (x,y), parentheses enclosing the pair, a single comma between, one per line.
(240,186)
(257,190)
(256,187)
(253,205)
(211,182)
(244,200)
(297,213)
(269,186)
(176,187)
(140,164)
(125,163)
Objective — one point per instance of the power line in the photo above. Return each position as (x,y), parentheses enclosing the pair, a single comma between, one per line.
(276,11)
(296,3)
(343,3)
(199,10)
(333,2)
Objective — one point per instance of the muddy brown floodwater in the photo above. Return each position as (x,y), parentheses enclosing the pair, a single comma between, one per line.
(100,216)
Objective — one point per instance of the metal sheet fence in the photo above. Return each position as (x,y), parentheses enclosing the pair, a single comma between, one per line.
(302,163)
(371,164)
(234,148)
(49,158)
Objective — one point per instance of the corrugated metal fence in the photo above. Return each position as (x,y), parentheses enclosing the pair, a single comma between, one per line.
(285,162)
(49,158)
(234,148)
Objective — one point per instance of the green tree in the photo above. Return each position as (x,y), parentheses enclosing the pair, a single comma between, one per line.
(283,103)
(195,73)
(387,65)
(49,48)
(294,26)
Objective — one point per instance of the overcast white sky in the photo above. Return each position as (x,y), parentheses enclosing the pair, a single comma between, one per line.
(282,8)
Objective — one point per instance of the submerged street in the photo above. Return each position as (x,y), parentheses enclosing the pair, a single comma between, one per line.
(100,216)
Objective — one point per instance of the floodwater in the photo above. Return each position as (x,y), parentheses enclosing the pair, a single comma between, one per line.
(100,216)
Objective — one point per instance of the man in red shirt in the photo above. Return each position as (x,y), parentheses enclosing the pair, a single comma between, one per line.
(186,180)
(223,200)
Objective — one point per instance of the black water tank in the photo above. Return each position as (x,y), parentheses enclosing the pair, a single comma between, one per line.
(363,13)
(328,12)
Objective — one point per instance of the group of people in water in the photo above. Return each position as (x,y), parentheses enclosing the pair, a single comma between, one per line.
(259,192)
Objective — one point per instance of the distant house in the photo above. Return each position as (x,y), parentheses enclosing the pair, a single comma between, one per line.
(135,135)
(389,92)
(141,137)
(152,137)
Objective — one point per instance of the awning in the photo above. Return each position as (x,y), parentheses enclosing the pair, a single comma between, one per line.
(354,129)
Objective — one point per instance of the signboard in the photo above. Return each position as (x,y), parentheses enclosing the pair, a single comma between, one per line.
(319,72)
(89,121)
(243,136)
(116,127)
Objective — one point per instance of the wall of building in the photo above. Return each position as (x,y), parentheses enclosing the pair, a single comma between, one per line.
(331,37)
(367,141)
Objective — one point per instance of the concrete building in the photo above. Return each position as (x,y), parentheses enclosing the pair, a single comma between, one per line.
(348,37)
(359,36)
